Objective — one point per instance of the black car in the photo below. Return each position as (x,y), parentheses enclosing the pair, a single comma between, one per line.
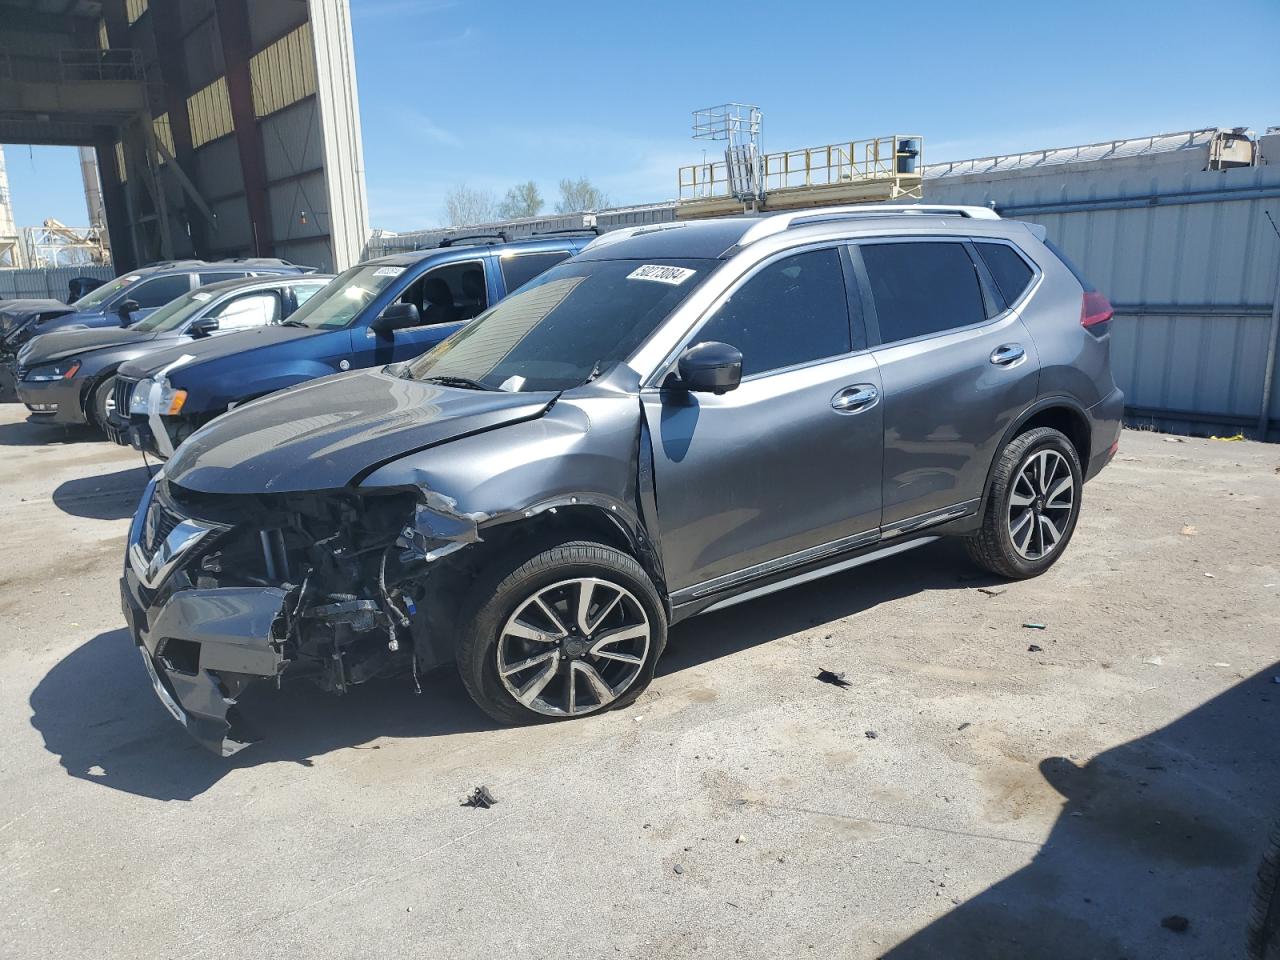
(68,377)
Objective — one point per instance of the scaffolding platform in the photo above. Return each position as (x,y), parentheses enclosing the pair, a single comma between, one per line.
(859,171)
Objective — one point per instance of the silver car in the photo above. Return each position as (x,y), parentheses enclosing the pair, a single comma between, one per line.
(682,417)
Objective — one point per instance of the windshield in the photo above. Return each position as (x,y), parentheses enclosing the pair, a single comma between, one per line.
(565,327)
(105,292)
(344,297)
(174,313)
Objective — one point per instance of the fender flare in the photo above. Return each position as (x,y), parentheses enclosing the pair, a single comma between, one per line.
(1015,427)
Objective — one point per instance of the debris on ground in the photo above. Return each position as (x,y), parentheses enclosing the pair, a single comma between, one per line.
(1189,530)
(480,798)
(871,734)
(1210,576)
(964,726)
(991,591)
(1176,923)
(741,838)
(1236,438)
(1174,440)
(1035,626)
(678,868)
(1154,661)
(1035,648)
(835,679)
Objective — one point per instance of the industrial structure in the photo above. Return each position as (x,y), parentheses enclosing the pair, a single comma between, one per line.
(1173,228)
(221,128)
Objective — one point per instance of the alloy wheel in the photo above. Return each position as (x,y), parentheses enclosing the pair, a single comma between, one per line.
(573,647)
(1041,503)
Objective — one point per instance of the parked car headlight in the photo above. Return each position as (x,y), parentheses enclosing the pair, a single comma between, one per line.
(55,371)
(152,396)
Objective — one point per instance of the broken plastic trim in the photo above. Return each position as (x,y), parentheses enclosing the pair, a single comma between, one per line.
(438,528)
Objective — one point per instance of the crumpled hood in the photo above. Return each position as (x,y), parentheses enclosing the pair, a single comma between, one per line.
(214,348)
(48,347)
(324,434)
(14,313)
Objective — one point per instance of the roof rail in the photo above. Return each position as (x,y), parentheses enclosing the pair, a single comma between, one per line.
(778,222)
(476,239)
(613,236)
(568,231)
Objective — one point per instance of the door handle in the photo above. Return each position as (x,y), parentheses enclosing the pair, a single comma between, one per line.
(855,399)
(1008,354)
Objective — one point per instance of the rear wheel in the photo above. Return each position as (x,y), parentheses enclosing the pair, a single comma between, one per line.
(1033,505)
(102,403)
(576,629)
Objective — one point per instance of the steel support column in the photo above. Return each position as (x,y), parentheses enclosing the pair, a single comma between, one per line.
(237,48)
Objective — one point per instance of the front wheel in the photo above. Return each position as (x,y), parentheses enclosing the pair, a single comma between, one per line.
(576,629)
(102,403)
(1032,508)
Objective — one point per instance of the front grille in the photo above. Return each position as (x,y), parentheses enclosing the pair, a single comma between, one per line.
(20,373)
(122,394)
(159,524)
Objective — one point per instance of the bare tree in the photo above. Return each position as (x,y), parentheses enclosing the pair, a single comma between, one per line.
(580,194)
(522,200)
(465,207)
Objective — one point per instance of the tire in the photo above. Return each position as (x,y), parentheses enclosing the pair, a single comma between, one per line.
(504,627)
(1016,492)
(1264,915)
(97,408)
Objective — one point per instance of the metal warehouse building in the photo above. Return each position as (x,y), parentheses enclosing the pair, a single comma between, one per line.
(222,128)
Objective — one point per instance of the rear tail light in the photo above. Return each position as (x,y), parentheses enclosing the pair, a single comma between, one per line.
(1096,309)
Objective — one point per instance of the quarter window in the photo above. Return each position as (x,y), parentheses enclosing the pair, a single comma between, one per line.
(922,288)
(158,292)
(520,269)
(794,310)
(1011,272)
(217,277)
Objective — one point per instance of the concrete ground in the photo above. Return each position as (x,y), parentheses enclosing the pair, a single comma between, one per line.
(1012,803)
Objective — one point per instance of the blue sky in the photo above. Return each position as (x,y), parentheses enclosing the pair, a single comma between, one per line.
(492,92)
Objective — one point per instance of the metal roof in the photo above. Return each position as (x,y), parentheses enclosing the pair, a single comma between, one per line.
(1104,150)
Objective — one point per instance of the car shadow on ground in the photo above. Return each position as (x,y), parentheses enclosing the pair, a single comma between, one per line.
(97,712)
(37,433)
(1170,825)
(108,496)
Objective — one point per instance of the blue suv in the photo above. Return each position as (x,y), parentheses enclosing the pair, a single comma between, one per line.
(128,298)
(382,311)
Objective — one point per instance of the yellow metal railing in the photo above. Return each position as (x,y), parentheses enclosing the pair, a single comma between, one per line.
(880,158)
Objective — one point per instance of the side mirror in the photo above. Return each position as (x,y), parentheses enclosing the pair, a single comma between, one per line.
(395,317)
(126,309)
(203,327)
(710,367)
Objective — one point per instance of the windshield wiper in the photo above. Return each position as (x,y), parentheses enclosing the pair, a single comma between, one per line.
(466,383)
(292,323)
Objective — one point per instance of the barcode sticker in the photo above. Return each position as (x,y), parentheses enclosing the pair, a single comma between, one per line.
(388,271)
(660,274)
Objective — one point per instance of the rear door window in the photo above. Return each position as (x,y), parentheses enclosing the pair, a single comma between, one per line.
(1011,273)
(794,310)
(255,309)
(519,269)
(159,291)
(922,288)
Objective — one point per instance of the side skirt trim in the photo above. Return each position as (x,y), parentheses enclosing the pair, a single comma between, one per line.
(819,573)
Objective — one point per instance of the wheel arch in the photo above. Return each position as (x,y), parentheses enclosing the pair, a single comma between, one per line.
(1061,413)
(91,384)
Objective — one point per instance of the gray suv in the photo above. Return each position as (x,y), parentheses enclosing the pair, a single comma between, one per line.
(682,417)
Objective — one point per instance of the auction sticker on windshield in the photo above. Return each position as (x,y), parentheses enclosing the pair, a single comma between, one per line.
(660,274)
(388,271)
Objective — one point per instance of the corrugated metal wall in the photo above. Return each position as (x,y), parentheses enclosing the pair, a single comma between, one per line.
(1186,255)
(46,284)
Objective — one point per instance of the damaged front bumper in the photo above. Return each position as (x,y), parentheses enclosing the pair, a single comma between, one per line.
(202,648)
(216,604)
